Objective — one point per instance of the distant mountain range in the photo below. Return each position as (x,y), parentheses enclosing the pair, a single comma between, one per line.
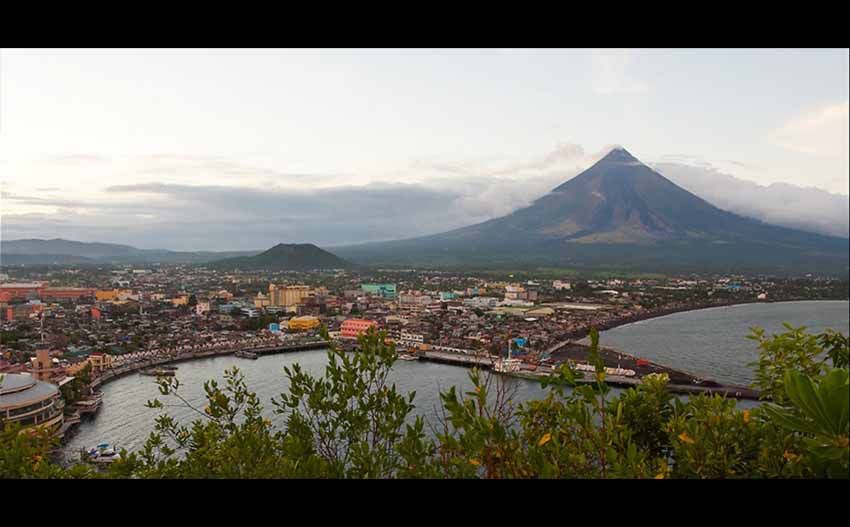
(59,251)
(618,214)
(286,257)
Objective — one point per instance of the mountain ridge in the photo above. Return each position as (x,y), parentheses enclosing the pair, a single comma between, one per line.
(35,251)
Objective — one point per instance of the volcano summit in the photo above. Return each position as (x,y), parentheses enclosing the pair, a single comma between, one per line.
(618,214)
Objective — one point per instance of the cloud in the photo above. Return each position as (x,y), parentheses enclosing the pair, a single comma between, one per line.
(810,209)
(231,217)
(610,73)
(241,214)
(822,132)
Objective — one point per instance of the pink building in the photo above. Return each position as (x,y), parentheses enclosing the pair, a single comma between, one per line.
(353,327)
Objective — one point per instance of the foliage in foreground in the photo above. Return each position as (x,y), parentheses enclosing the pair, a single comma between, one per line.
(352,422)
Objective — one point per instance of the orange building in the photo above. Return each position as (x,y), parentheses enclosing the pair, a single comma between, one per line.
(40,290)
(354,327)
(67,293)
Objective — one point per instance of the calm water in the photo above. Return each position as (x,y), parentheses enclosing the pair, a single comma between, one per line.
(125,421)
(712,342)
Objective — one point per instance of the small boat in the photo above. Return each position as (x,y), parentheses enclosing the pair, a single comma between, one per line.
(172,368)
(405,356)
(103,453)
(246,355)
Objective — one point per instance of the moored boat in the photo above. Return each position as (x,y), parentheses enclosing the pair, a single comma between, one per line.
(406,356)
(103,453)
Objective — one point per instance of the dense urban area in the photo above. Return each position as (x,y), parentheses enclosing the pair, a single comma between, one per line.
(72,328)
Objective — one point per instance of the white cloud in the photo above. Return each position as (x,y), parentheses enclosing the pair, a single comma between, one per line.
(822,132)
(610,73)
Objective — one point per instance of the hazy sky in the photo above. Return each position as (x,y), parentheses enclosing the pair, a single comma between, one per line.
(188,148)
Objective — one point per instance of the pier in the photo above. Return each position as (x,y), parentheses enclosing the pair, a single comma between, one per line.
(487,362)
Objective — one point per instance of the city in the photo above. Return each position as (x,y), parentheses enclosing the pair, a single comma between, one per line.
(59,322)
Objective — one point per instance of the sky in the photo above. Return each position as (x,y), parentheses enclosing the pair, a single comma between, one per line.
(243,149)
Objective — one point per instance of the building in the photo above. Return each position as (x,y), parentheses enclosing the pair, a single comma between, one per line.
(261,300)
(100,361)
(303,323)
(288,295)
(180,300)
(202,308)
(67,293)
(30,402)
(23,311)
(354,327)
(515,292)
(561,285)
(383,290)
(29,290)
(45,368)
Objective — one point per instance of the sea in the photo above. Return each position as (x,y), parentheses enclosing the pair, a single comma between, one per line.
(710,342)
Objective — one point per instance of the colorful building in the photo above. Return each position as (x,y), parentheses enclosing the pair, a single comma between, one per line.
(382,290)
(303,323)
(354,327)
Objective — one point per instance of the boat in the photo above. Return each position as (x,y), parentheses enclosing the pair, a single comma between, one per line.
(405,356)
(246,355)
(507,364)
(172,368)
(103,453)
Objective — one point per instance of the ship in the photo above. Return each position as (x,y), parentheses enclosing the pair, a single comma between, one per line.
(507,364)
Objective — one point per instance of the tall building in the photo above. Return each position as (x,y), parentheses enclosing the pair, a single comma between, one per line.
(44,368)
(288,295)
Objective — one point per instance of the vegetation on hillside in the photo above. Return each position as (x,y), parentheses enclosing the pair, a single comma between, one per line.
(351,422)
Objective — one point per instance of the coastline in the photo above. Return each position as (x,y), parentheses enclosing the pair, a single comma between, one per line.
(672,311)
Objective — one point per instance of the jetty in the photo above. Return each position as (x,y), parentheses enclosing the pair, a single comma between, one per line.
(693,386)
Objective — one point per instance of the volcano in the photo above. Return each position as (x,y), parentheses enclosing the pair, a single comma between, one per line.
(618,214)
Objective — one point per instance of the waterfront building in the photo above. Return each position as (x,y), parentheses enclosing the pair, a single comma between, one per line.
(354,327)
(383,290)
(303,323)
(30,402)
(99,362)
